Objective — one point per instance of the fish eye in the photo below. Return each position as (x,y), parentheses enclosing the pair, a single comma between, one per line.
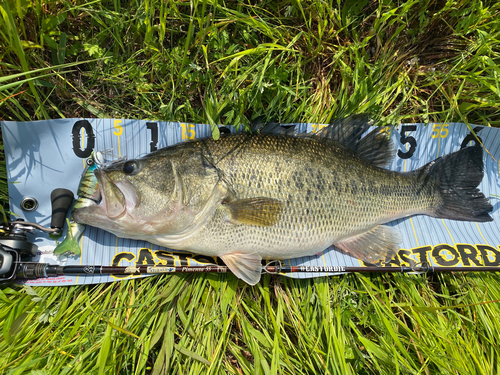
(130,167)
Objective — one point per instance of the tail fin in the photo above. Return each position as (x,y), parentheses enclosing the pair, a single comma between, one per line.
(458,175)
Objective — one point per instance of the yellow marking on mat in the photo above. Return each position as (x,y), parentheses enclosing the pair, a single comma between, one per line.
(411,221)
(118,132)
(317,127)
(82,137)
(324,261)
(448,232)
(484,239)
(188,131)
(414,232)
(439,143)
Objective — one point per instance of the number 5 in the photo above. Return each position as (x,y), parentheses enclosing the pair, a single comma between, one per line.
(404,139)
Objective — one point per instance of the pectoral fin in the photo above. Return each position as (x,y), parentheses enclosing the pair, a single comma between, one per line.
(245,266)
(374,246)
(260,211)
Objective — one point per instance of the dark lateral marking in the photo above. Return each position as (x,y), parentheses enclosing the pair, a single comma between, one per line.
(336,186)
(354,186)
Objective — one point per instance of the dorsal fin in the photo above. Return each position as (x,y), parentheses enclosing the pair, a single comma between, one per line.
(346,131)
(260,127)
(376,146)
(258,124)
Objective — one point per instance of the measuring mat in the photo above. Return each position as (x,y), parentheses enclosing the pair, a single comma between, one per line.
(45,155)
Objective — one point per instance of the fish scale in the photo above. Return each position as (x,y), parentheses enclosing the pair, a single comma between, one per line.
(248,197)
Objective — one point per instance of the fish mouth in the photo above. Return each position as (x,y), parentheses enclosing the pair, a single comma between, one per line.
(117,198)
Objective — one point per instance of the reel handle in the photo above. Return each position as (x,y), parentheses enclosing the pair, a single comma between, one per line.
(61,202)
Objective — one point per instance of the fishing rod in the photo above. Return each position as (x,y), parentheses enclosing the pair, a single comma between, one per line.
(27,270)
(16,251)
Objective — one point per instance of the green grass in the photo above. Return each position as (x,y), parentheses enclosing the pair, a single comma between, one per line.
(209,324)
(228,62)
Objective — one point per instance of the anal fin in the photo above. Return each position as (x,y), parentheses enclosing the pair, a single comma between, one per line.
(376,245)
(245,266)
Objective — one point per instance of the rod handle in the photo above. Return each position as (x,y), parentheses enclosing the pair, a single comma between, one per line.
(61,202)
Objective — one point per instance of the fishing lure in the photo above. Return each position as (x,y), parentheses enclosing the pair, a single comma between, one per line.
(88,194)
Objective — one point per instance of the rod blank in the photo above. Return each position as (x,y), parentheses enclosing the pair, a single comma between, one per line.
(28,270)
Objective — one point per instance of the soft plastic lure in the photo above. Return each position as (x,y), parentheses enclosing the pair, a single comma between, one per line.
(88,194)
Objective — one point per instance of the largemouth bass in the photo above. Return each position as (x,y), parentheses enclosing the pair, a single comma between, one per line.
(270,195)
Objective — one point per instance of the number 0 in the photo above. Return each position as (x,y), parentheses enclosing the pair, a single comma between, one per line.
(77,139)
